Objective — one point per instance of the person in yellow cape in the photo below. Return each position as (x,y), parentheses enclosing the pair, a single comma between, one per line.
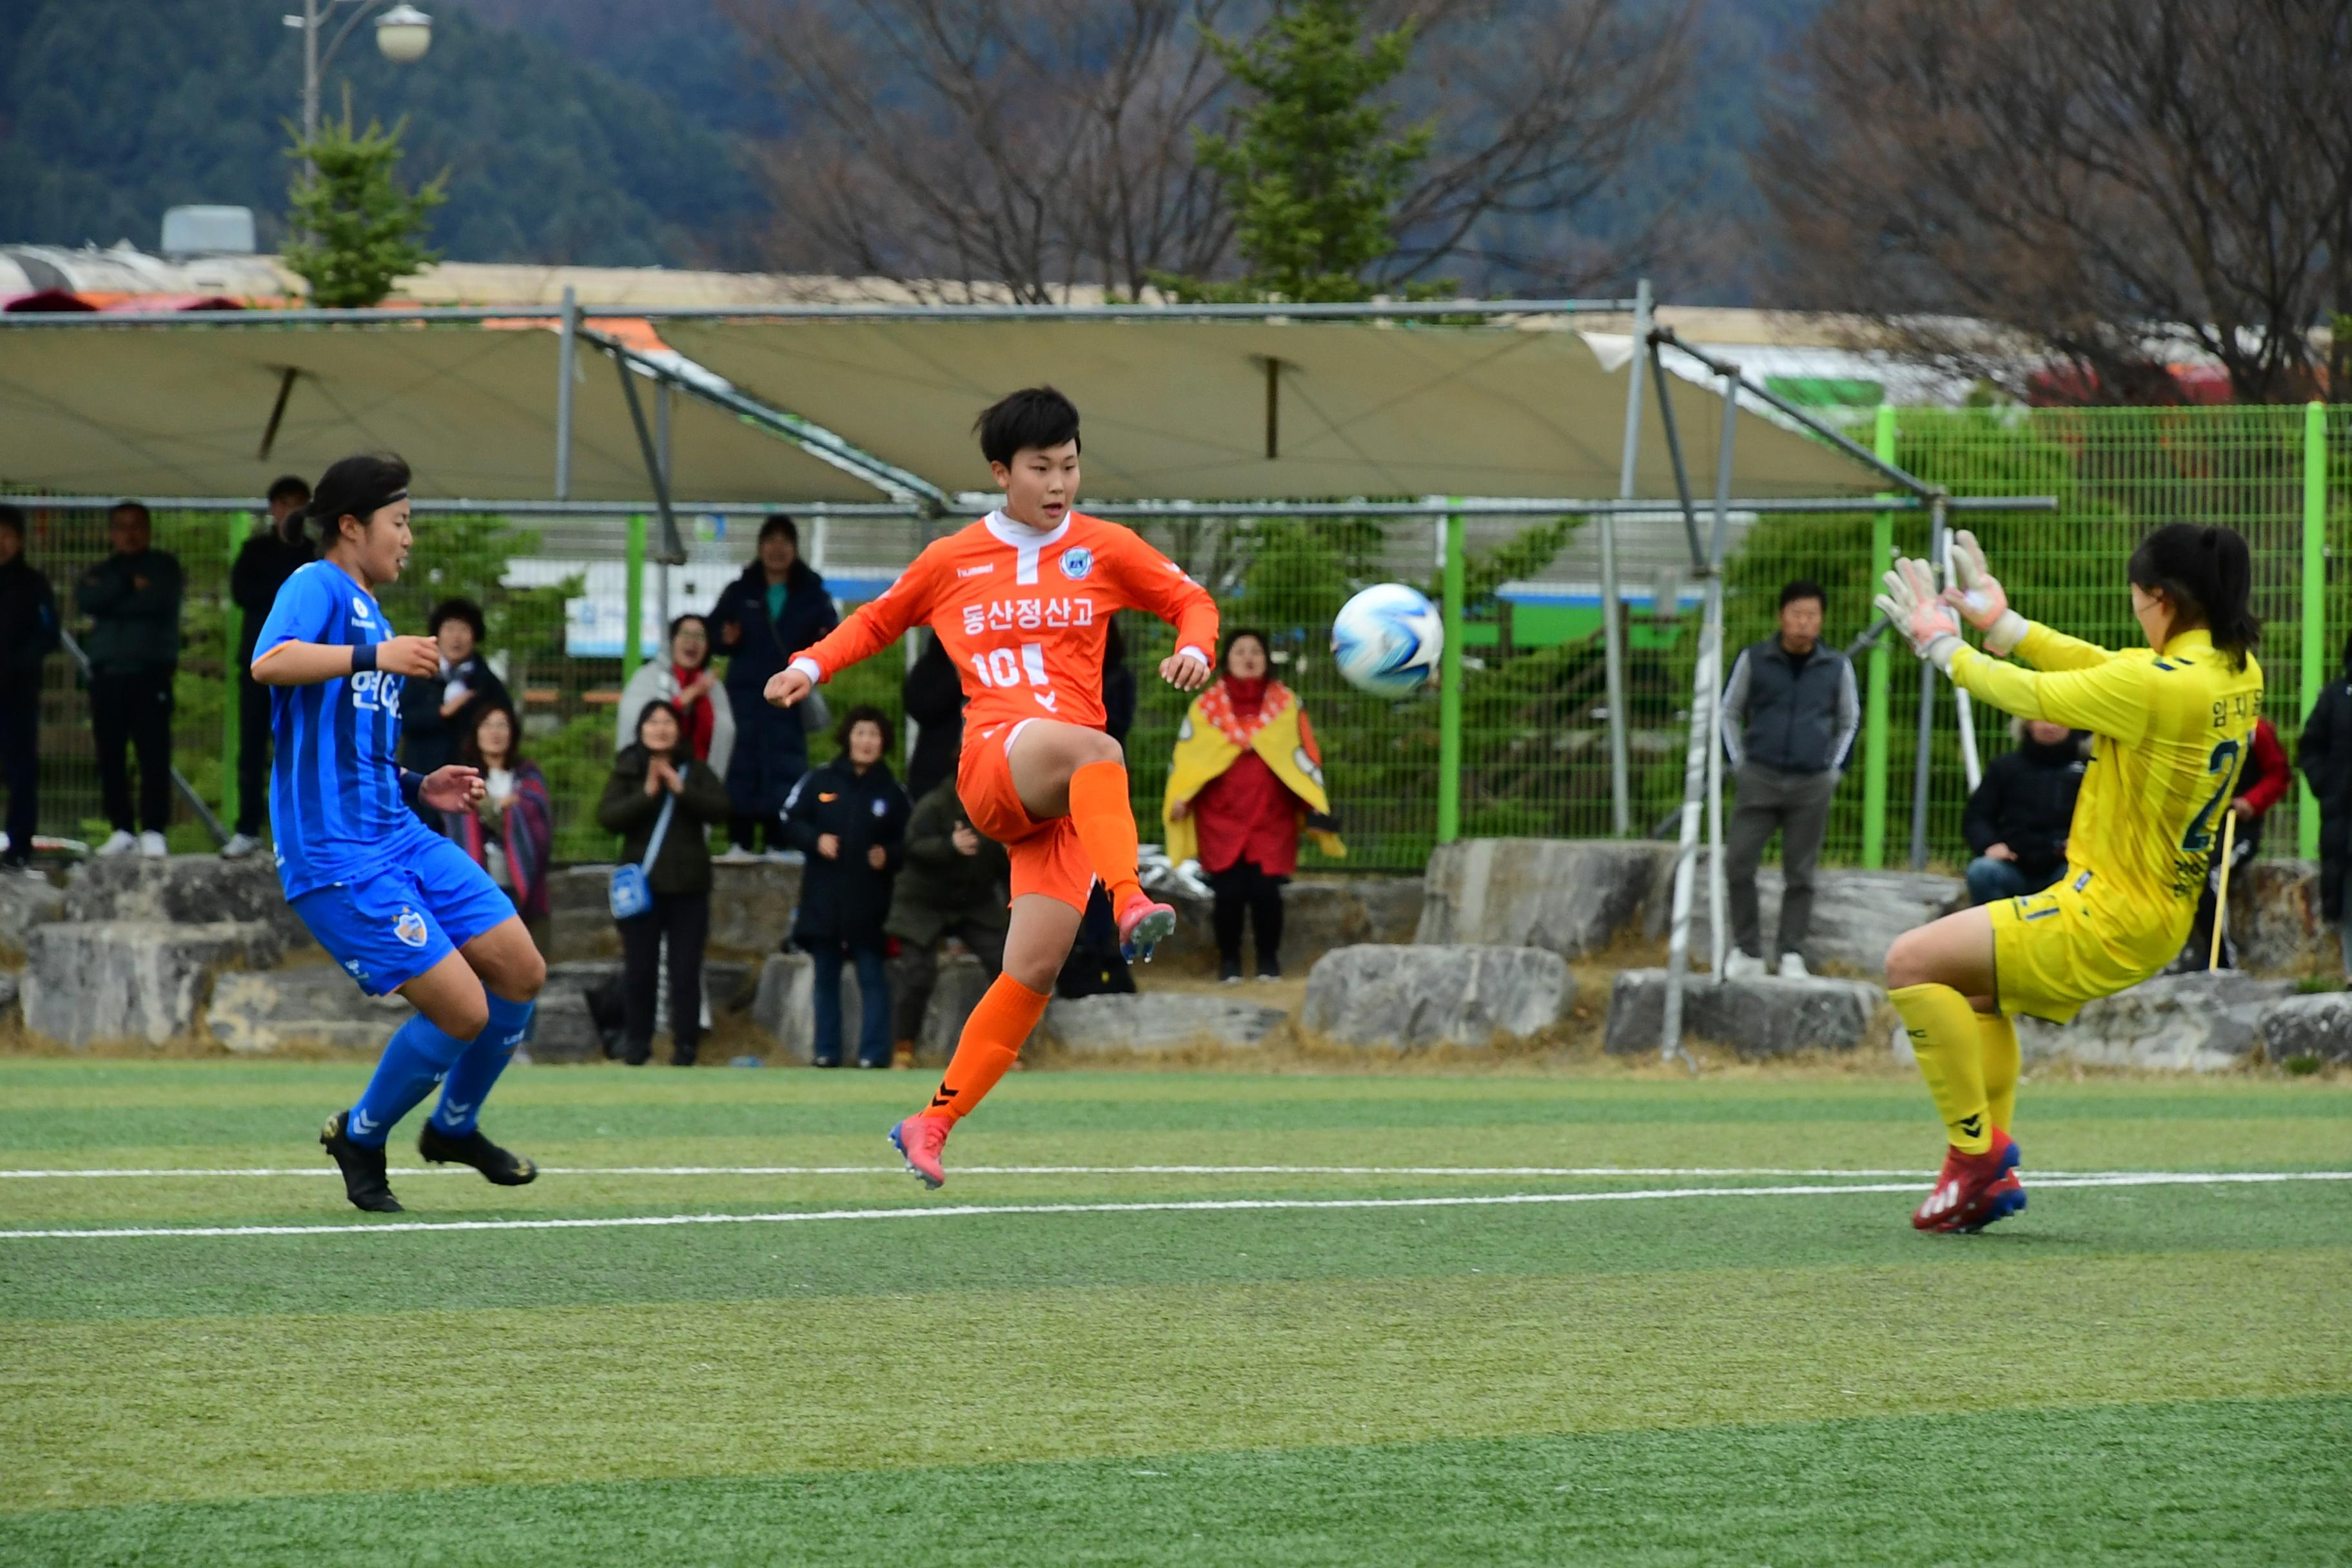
(1245,779)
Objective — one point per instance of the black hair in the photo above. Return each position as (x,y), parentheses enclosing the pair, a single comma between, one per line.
(469,744)
(1035,416)
(2208,574)
(801,573)
(677,624)
(12,519)
(290,486)
(777,523)
(464,610)
(358,486)
(664,705)
(864,713)
(127,504)
(1225,664)
(1802,588)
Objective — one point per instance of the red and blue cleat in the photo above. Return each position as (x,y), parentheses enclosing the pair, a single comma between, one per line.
(1143,925)
(921,1140)
(1974,1190)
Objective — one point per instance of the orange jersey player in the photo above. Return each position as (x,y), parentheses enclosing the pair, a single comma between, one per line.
(1022,600)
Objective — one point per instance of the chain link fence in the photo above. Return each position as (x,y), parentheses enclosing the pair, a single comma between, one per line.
(1533,706)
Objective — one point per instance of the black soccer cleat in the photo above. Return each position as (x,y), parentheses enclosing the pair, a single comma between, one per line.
(365,1182)
(500,1167)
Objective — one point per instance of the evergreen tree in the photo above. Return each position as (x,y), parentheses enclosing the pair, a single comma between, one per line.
(1310,168)
(356,230)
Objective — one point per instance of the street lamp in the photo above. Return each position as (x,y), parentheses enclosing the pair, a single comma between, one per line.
(402,34)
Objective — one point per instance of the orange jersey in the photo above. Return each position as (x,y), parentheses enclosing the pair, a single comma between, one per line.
(1025,613)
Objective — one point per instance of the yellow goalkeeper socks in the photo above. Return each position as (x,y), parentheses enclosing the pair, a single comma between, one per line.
(1998,1036)
(1944,1037)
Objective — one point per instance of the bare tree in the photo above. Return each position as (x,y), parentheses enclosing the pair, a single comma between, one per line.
(1018,148)
(2099,180)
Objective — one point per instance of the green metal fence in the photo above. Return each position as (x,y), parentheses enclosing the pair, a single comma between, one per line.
(1517,743)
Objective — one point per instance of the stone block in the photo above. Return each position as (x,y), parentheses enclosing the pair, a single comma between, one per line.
(9,985)
(2196,1023)
(2275,920)
(2316,1026)
(1318,913)
(963,980)
(259,1010)
(1761,1018)
(184,890)
(1424,995)
(1151,1023)
(1571,897)
(25,903)
(562,1029)
(1857,915)
(784,1006)
(132,979)
(750,910)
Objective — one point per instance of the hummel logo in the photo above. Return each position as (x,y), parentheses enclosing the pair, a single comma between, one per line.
(1046,699)
(456,1110)
(1972,1126)
(980,571)
(362,1123)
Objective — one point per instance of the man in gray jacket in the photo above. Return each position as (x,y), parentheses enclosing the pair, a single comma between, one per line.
(1789,713)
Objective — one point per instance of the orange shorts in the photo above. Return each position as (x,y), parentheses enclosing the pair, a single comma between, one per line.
(1047,856)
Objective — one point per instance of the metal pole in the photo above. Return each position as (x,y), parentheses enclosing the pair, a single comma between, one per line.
(1674,455)
(1961,705)
(1612,608)
(1699,766)
(1718,892)
(1925,745)
(311,72)
(669,482)
(567,360)
(232,709)
(1449,688)
(673,547)
(1873,732)
(632,598)
(2315,600)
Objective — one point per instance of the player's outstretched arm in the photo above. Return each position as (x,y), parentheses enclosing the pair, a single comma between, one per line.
(1150,581)
(869,629)
(310,663)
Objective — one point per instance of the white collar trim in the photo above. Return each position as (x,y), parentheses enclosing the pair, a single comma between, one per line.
(1019,535)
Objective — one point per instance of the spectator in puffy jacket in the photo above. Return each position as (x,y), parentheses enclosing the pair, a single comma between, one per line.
(2324,755)
(263,563)
(686,680)
(2017,818)
(777,607)
(132,600)
(28,635)
(850,818)
(2263,779)
(660,769)
(932,694)
(954,884)
(1789,713)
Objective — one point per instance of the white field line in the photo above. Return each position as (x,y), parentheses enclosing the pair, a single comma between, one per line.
(895,1168)
(1217,1205)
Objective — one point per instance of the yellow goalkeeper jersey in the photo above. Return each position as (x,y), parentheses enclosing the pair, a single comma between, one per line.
(2173,729)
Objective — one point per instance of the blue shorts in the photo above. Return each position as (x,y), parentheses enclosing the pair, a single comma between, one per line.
(387,929)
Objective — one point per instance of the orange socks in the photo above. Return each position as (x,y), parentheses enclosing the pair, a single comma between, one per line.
(1100,810)
(991,1038)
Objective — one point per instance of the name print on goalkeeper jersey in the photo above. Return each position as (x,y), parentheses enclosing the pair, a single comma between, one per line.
(1025,613)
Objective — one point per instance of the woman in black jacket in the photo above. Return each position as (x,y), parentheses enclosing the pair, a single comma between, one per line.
(2324,755)
(659,770)
(777,607)
(437,709)
(849,817)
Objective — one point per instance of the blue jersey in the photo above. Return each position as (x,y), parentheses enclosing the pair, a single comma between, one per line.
(335,803)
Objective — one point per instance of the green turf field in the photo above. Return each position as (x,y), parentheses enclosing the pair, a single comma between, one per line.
(1588,1316)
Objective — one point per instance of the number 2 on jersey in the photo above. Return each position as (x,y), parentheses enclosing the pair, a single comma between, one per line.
(2224,761)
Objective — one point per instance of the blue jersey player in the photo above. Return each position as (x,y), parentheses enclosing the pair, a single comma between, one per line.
(399,907)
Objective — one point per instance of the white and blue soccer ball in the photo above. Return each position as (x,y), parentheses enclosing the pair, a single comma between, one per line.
(1387,640)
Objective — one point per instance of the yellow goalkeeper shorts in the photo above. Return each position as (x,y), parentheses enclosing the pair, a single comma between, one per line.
(2056,950)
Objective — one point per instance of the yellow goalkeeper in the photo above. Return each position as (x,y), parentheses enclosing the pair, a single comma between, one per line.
(2173,722)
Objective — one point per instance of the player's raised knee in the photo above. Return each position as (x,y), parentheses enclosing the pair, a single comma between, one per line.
(1906,960)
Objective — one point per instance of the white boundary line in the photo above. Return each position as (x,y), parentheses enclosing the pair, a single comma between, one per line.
(1219,1205)
(446,1170)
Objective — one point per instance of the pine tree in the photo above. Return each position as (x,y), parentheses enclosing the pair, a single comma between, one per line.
(357,231)
(1310,168)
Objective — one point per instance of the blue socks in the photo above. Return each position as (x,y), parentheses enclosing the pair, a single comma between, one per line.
(420,1056)
(469,1080)
(412,1062)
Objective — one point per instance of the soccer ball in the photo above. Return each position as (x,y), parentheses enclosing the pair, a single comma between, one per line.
(1387,640)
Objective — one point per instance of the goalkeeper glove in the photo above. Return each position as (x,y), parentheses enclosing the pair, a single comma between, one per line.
(1981,600)
(1912,605)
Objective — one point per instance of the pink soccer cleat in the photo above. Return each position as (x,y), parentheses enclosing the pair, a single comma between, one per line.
(919,1140)
(1144,925)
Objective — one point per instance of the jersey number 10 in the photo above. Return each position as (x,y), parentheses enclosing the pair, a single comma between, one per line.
(999,669)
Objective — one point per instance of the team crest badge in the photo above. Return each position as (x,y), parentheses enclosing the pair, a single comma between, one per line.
(360,611)
(410,927)
(1077,562)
